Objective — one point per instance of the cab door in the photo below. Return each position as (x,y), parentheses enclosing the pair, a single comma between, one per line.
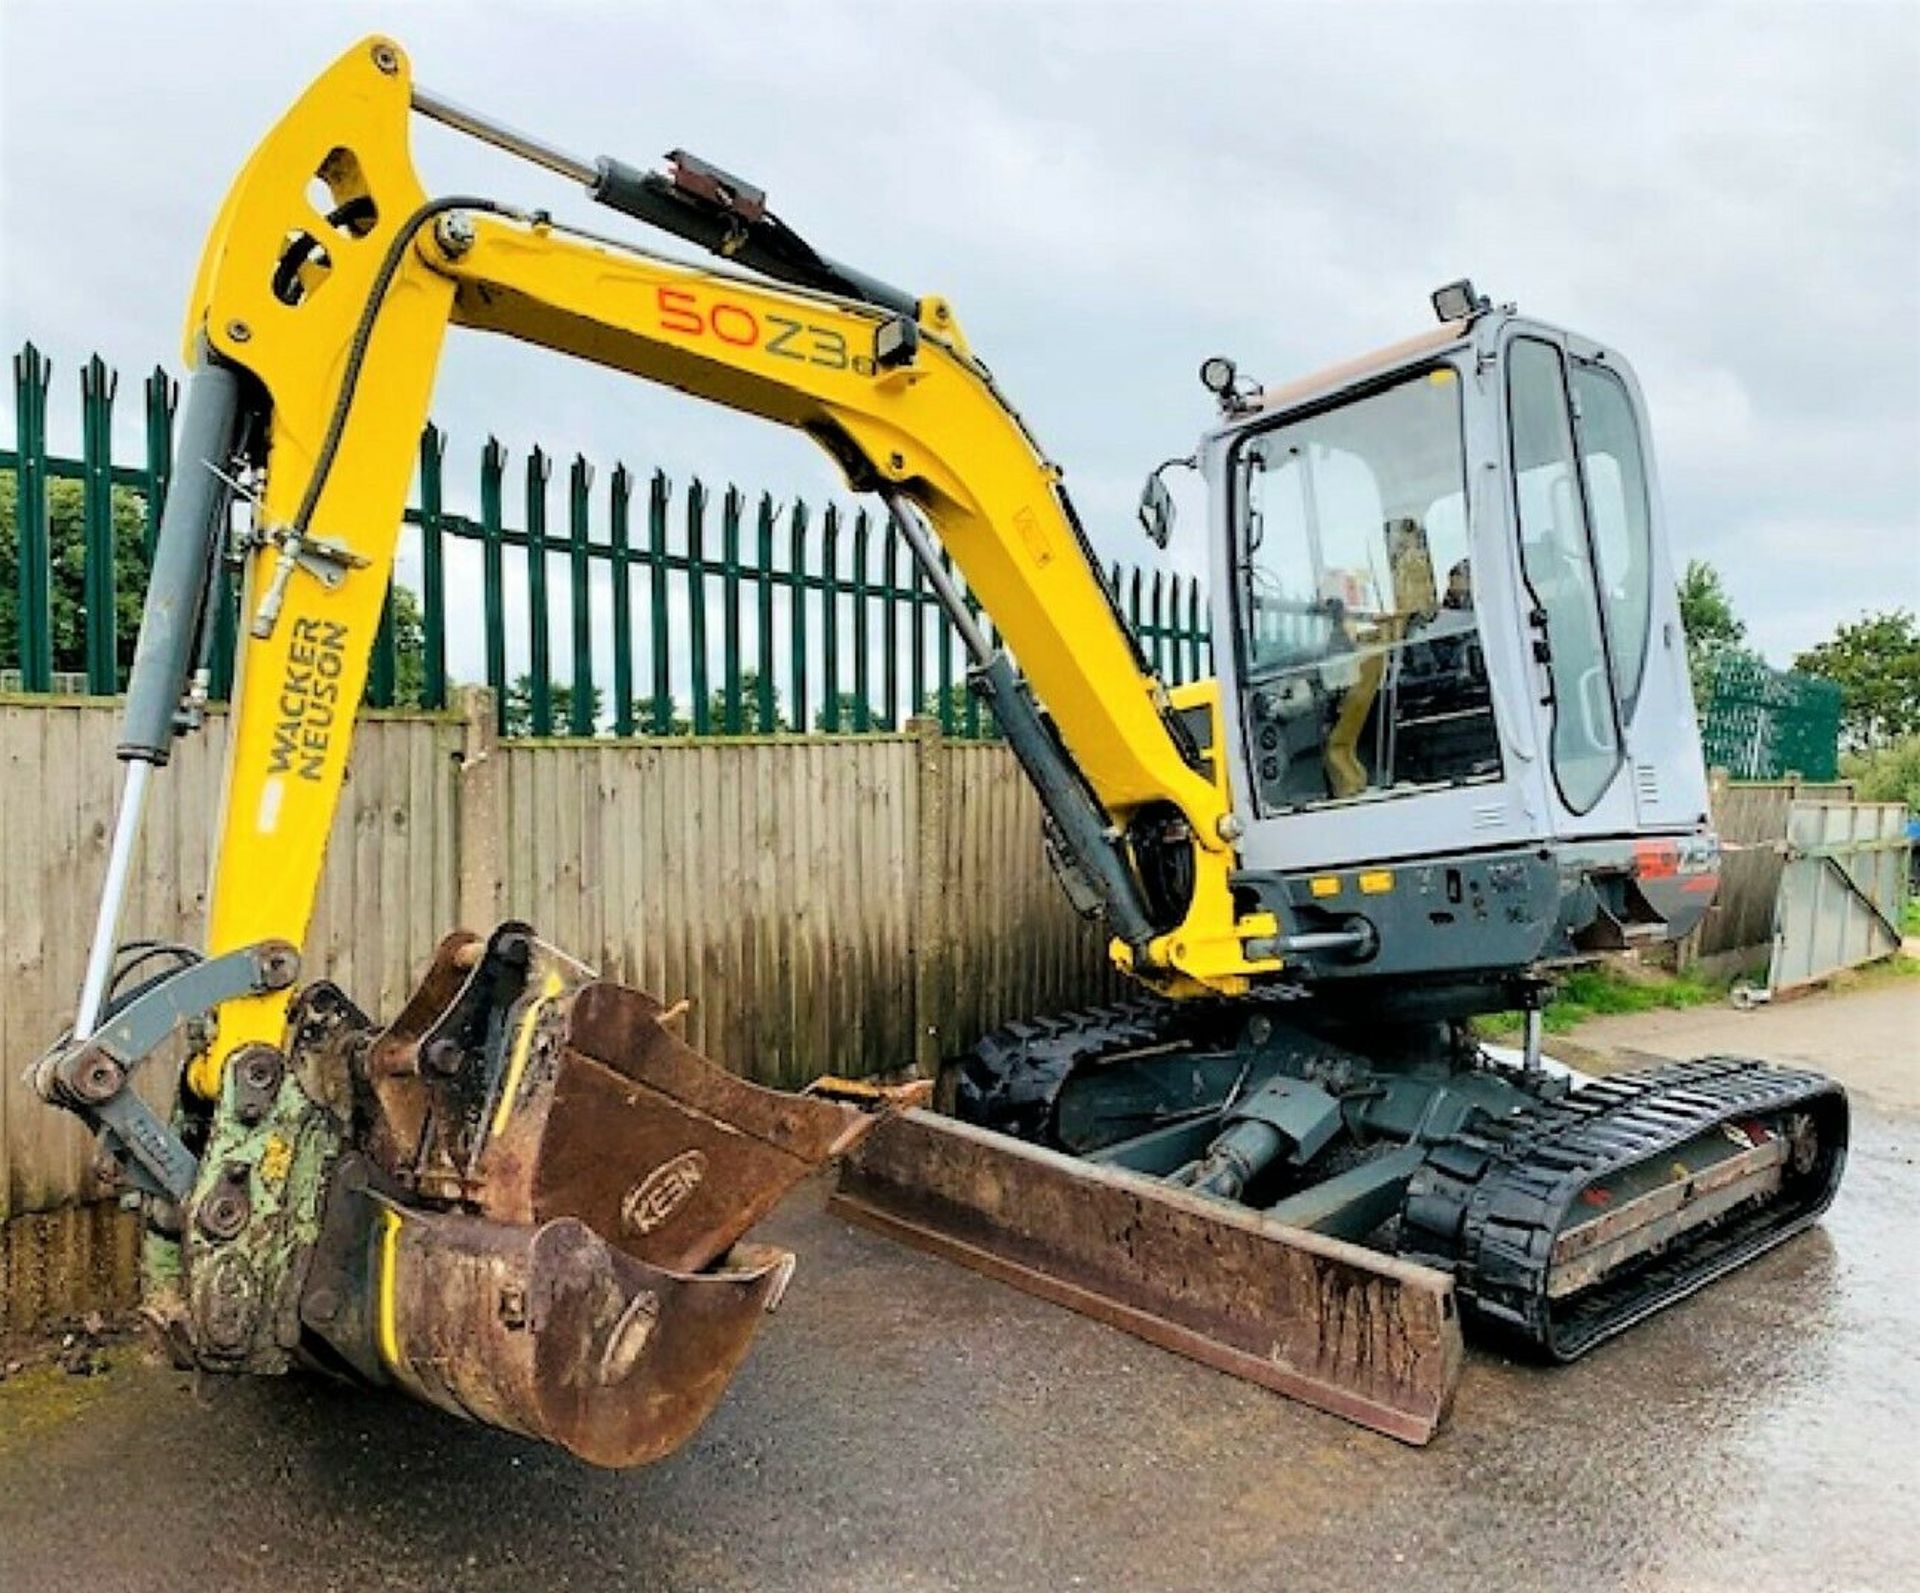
(1640,602)
(1575,674)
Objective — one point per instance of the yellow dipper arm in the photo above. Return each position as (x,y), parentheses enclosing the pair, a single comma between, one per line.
(338,311)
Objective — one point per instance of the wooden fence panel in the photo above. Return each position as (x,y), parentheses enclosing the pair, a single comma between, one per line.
(828,904)
(1010,945)
(1751,820)
(837,903)
(771,883)
(388,892)
(386,897)
(1752,824)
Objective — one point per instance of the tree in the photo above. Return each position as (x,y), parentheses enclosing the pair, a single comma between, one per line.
(957,696)
(409,650)
(1713,630)
(846,715)
(647,723)
(1887,774)
(519,714)
(1875,661)
(749,708)
(66,528)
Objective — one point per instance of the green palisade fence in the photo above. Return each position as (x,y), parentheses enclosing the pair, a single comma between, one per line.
(681,612)
(1765,724)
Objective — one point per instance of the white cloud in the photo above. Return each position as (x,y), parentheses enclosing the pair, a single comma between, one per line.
(1108,193)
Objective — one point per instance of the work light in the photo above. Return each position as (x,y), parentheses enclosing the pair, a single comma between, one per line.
(1457,301)
(1216,375)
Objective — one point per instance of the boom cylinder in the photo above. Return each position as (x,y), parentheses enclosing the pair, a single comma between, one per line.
(177,589)
(1083,830)
(184,558)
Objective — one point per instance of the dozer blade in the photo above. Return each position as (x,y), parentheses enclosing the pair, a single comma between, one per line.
(1365,1336)
(538,1222)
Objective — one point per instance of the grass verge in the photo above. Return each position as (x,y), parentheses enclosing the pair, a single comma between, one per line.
(1605,990)
(1898,966)
(1608,988)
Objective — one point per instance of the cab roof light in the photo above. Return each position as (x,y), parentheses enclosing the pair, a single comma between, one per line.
(1458,302)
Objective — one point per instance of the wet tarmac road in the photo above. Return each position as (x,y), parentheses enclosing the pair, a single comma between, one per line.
(903,1425)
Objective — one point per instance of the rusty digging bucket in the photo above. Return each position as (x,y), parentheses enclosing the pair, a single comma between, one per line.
(1366,1336)
(538,1225)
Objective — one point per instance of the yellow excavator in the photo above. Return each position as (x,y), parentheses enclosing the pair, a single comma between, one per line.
(1401,803)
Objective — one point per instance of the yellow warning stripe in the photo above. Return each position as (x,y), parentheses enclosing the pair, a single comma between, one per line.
(388,1325)
(550,986)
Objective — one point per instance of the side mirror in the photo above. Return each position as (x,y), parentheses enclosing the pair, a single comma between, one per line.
(1156,510)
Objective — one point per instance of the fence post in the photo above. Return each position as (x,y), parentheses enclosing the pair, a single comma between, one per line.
(433,571)
(384,667)
(540,649)
(98,384)
(697,605)
(862,679)
(930,890)
(493,469)
(890,625)
(162,394)
(1195,634)
(619,507)
(797,612)
(31,373)
(1157,624)
(580,714)
(659,492)
(830,619)
(917,664)
(943,632)
(763,598)
(731,507)
(478,805)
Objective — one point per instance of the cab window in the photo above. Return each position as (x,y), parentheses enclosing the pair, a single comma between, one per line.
(1358,629)
(1622,525)
(1556,554)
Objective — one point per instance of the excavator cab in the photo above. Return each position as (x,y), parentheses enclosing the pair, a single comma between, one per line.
(1449,641)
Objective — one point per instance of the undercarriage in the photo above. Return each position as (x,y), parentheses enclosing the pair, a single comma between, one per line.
(1407,1162)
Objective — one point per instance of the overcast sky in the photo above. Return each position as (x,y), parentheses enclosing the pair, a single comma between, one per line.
(1108,193)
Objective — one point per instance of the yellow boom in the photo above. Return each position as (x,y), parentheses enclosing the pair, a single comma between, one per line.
(339,316)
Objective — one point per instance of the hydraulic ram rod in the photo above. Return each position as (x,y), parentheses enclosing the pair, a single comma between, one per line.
(715,211)
(525,145)
(106,928)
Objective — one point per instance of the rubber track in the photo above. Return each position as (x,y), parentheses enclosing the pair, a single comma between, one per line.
(1011,1079)
(1492,1199)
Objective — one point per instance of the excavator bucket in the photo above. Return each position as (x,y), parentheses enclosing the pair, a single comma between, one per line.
(1365,1336)
(538,1223)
